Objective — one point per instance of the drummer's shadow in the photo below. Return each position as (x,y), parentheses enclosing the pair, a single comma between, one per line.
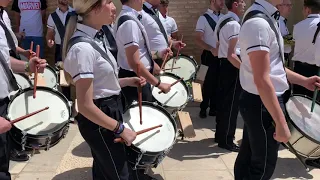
(291,168)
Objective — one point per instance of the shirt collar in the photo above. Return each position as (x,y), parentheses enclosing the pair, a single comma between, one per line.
(149,6)
(213,12)
(313,15)
(269,7)
(129,9)
(234,16)
(91,32)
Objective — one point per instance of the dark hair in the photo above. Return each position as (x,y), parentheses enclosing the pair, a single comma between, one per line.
(164,2)
(229,3)
(124,1)
(314,5)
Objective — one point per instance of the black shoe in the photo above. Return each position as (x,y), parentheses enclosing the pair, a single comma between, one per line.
(212,113)
(233,147)
(18,156)
(203,114)
(314,163)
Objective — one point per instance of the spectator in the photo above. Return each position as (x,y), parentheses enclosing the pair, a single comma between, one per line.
(169,23)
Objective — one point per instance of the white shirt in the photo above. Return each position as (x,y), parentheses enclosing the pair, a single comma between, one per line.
(228,31)
(257,35)
(169,24)
(284,31)
(129,34)
(83,61)
(204,26)
(52,25)
(317,53)
(156,38)
(303,33)
(4,48)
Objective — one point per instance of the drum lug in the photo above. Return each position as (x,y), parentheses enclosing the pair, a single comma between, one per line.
(139,159)
(155,103)
(134,102)
(162,156)
(70,103)
(48,141)
(23,140)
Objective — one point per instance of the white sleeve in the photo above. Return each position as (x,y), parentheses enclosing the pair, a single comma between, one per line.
(233,30)
(79,61)
(50,23)
(128,34)
(174,26)
(255,35)
(200,27)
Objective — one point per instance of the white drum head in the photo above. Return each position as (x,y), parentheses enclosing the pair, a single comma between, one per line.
(22,81)
(298,108)
(50,78)
(186,70)
(44,122)
(176,97)
(154,140)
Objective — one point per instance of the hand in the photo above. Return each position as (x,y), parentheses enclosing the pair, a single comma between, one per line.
(135,81)
(164,87)
(28,53)
(311,83)
(21,35)
(282,133)
(40,63)
(128,136)
(50,43)
(156,69)
(163,53)
(4,125)
(178,44)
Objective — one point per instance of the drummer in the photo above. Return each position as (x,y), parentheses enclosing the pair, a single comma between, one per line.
(133,49)
(98,89)
(262,102)
(227,32)
(8,84)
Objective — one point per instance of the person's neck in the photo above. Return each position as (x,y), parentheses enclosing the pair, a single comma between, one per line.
(134,6)
(91,23)
(234,11)
(163,14)
(63,8)
(214,9)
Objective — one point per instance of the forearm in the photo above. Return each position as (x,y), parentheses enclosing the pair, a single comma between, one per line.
(295,78)
(144,72)
(234,60)
(203,45)
(124,82)
(18,66)
(17,18)
(19,50)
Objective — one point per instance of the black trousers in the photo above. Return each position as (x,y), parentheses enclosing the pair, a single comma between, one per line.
(210,84)
(131,93)
(228,109)
(258,151)
(58,57)
(5,145)
(307,70)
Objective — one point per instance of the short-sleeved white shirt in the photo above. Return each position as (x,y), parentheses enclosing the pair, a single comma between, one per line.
(83,61)
(52,25)
(169,24)
(204,26)
(129,34)
(303,33)
(155,36)
(257,35)
(228,31)
(284,31)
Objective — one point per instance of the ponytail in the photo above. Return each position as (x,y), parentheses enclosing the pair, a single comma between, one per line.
(70,29)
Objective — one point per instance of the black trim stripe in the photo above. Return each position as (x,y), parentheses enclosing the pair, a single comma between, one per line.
(81,74)
(233,36)
(257,46)
(130,43)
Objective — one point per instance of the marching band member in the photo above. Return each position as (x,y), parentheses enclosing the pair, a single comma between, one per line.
(264,80)
(206,40)
(169,23)
(227,33)
(133,49)
(304,50)
(110,37)
(8,84)
(98,90)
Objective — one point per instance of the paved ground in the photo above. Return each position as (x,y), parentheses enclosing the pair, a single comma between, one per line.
(198,158)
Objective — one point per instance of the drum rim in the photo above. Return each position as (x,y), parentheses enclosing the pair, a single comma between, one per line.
(183,83)
(193,76)
(189,57)
(26,77)
(46,89)
(54,70)
(294,125)
(153,104)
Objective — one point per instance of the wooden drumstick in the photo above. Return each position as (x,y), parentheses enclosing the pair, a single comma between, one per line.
(166,57)
(315,94)
(28,115)
(174,59)
(139,132)
(172,84)
(139,93)
(171,68)
(31,49)
(36,74)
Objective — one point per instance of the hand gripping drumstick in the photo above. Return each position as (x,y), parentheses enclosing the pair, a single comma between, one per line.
(139,93)
(165,57)
(174,59)
(172,84)
(36,74)
(139,132)
(315,94)
(28,115)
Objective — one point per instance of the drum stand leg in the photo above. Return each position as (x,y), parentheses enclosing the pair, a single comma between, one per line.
(289,145)
(181,134)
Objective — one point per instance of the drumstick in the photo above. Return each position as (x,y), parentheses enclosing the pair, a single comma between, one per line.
(174,59)
(166,56)
(171,68)
(139,93)
(139,132)
(172,84)
(31,49)
(36,74)
(315,94)
(28,115)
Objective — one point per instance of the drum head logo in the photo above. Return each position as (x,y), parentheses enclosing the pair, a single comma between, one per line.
(52,80)
(63,114)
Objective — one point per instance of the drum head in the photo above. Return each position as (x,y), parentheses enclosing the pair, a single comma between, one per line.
(188,67)
(47,121)
(298,108)
(156,140)
(22,80)
(176,97)
(50,76)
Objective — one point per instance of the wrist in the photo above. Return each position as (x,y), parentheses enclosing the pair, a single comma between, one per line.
(157,55)
(119,129)
(158,83)
(27,67)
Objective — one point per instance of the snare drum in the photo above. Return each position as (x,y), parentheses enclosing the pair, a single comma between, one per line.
(50,75)
(22,80)
(304,126)
(149,149)
(188,67)
(44,129)
(177,98)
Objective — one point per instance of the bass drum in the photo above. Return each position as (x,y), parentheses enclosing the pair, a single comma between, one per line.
(304,126)
(44,129)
